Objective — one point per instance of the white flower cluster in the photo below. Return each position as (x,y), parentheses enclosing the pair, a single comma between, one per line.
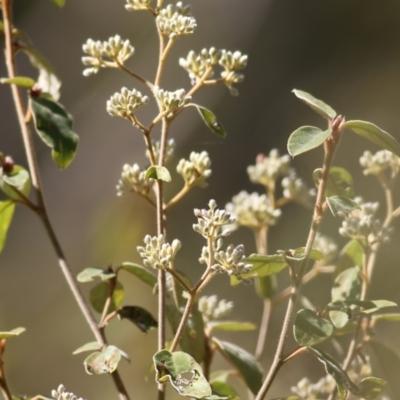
(197,64)
(196,170)
(176,20)
(114,49)
(61,394)
(253,210)
(169,150)
(210,222)
(125,103)
(231,62)
(326,246)
(157,253)
(295,189)
(212,309)
(362,224)
(171,101)
(137,5)
(305,389)
(375,164)
(268,169)
(232,261)
(133,180)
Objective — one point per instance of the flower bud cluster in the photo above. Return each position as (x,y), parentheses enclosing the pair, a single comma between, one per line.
(305,389)
(197,64)
(211,223)
(253,210)
(212,309)
(175,20)
(268,169)
(137,5)
(196,170)
(362,224)
(169,150)
(125,103)
(375,164)
(157,253)
(326,246)
(232,261)
(115,49)
(133,180)
(61,394)
(171,101)
(231,62)
(295,189)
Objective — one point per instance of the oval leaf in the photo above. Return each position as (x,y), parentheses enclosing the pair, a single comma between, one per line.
(103,362)
(21,81)
(339,183)
(158,172)
(183,372)
(139,316)
(18,179)
(375,135)
(140,272)
(265,265)
(310,329)
(244,362)
(339,204)
(88,347)
(100,293)
(88,274)
(305,139)
(231,326)
(371,387)
(211,121)
(13,332)
(350,256)
(317,105)
(54,126)
(6,214)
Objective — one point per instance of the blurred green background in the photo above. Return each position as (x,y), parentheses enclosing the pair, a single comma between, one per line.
(344,52)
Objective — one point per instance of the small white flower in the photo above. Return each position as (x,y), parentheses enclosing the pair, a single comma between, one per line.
(125,103)
(196,170)
(171,101)
(176,20)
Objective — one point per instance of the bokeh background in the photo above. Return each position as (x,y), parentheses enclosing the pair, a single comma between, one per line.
(344,52)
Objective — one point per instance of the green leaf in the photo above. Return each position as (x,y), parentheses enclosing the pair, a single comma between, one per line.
(305,139)
(347,285)
(265,285)
(183,372)
(390,317)
(244,362)
(350,256)
(18,179)
(54,126)
(21,81)
(59,3)
(48,81)
(158,172)
(12,333)
(211,121)
(88,347)
(231,326)
(339,182)
(88,274)
(139,316)
(371,387)
(6,214)
(317,105)
(343,382)
(339,204)
(99,294)
(386,364)
(140,272)
(300,254)
(375,135)
(103,362)
(265,265)
(309,329)
(219,384)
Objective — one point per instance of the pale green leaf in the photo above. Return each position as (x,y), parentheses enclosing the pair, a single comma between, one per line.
(6,214)
(88,274)
(12,333)
(339,182)
(103,362)
(21,81)
(231,326)
(99,294)
(18,180)
(317,105)
(140,272)
(211,121)
(374,134)
(339,205)
(91,346)
(158,172)
(305,139)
